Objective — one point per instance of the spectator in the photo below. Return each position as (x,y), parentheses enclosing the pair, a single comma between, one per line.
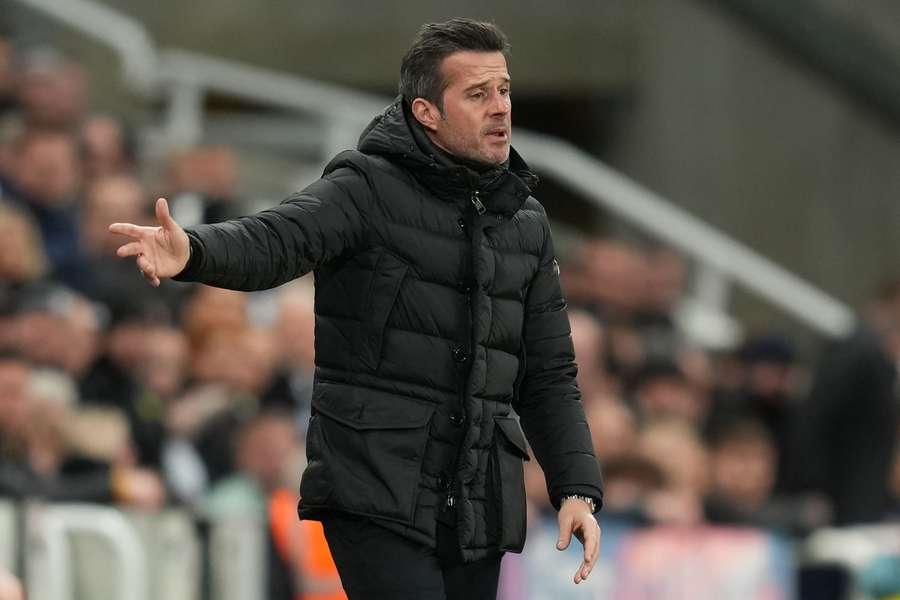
(63,477)
(53,398)
(588,340)
(46,182)
(661,390)
(744,459)
(607,276)
(678,451)
(52,90)
(293,331)
(58,328)
(664,280)
(768,393)
(613,429)
(267,458)
(631,481)
(108,147)
(103,277)
(851,418)
(22,257)
(14,408)
(202,183)
(212,309)
(244,360)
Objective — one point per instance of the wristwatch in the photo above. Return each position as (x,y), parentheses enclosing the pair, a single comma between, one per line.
(588,499)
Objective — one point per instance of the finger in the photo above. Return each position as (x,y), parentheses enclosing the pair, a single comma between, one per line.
(579,574)
(146,266)
(591,547)
(584,571)
(565,534)
(128,229)
(130,249)
(162,215)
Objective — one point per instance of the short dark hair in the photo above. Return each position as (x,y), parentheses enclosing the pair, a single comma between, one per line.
(420,71)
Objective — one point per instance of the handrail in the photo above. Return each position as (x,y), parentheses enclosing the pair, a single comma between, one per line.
(190,74)
(676,226)
(268,86)
(125,35)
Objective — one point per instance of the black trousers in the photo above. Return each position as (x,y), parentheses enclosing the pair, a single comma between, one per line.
(377,564)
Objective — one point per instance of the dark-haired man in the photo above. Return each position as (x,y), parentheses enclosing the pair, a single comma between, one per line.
(438,312)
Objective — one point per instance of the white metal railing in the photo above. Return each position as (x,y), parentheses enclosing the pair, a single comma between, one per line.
(49,565)
(238,552)
(9,536)
(187,77)
(125,35)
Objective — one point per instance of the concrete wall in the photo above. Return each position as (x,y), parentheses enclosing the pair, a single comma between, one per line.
(747,138)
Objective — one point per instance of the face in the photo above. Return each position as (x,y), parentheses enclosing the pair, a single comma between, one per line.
(114,199)
(53,95)
(103,145)
(744,471)
(477,117)
(47,169)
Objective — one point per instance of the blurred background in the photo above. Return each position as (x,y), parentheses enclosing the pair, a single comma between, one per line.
(722,178)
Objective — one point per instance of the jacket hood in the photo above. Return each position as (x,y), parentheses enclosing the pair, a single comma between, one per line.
(397,137)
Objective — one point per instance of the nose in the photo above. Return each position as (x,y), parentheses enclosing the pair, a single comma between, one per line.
(501,105)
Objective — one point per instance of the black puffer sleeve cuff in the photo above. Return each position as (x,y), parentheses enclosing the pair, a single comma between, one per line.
(192,269)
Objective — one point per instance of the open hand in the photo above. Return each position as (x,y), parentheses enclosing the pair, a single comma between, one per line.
(161,251)
(575,517)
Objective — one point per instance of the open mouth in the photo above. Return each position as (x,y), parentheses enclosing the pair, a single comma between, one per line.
(498,134)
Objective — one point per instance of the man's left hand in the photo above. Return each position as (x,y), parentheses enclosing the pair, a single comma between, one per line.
(575,517)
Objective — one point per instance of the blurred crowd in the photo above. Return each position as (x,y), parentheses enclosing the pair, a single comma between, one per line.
(113,391)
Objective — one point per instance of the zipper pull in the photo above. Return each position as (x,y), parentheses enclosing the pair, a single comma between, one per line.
(476,201)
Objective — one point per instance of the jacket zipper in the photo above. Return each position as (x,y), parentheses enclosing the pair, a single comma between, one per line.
(450,500)
(477,203)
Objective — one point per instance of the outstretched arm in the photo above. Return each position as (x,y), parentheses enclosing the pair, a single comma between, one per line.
(259,251)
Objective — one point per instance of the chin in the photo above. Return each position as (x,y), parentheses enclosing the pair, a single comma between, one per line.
(496,158)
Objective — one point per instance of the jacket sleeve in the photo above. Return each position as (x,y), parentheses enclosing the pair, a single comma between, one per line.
(549,401)
(279,244)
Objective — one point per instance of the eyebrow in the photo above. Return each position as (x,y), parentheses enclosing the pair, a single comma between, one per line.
(484,83)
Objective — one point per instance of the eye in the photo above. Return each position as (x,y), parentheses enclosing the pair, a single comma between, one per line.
(504,91)
(478,94)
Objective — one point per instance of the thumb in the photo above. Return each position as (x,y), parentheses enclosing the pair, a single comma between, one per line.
(162,215)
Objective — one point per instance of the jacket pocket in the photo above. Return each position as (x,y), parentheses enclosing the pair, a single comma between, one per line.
(368,447)
(384,287)
(508,453)
(315,484)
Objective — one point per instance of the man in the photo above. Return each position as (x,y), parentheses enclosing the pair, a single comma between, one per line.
(438,311)
(849,425)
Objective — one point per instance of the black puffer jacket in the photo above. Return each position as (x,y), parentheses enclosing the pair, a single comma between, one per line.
(438,311)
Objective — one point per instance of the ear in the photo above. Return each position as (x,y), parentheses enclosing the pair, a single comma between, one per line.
(426,113)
